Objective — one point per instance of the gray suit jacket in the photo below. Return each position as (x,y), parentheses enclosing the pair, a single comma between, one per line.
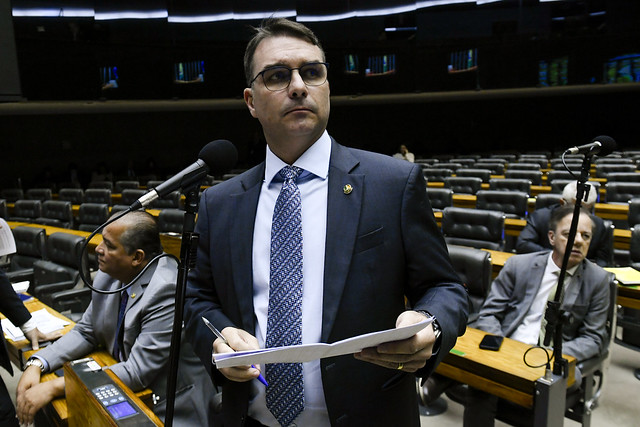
(515,288)
(382,244)
(146,342)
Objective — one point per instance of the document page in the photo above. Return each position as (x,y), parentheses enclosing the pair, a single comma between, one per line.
(308,352)
(7,242)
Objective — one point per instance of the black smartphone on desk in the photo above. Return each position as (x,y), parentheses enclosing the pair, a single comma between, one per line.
(491,342)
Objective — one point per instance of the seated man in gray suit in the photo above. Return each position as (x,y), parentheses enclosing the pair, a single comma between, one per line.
(140,341)
(518,298)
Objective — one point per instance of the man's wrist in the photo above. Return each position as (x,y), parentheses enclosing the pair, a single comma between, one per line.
(34,361)
(437,330)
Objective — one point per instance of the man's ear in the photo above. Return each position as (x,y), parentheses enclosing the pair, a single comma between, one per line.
(138,258)
(248,99)
(551,235)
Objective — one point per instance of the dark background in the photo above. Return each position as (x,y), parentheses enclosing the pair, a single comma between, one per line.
(62,115)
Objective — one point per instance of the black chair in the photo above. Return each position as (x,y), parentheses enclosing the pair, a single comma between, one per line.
(491,160)
(552,175)
(73,195)
(129,196)
(609,160)
(603,170)
(544,200)
(97,195)
(510,184)
(26,210)
(622,192)
(121,185)
(483,174)
(475,228)
(454,166)
(30,247)
(423,162)
(172,200)
(11,195)
(92,215)
(61,272)
(496,168)
(474,269)
(463,184)
(436,174)
(108,185)
(171,221)
(534,176)
(41,194)
(440,198)
(509,157)
(154,183)
(623,177)
(633,217)
(524,167)
(542,162)
(574,165)
(57,213)
(465,162)
(4,213)
(512,203)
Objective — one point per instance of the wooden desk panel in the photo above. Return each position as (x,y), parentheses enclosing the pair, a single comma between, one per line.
(502,373)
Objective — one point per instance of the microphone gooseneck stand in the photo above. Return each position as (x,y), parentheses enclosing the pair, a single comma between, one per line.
(554,315)
(188,248)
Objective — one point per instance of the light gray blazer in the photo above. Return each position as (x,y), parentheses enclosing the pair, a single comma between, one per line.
(515,288)
(146,342)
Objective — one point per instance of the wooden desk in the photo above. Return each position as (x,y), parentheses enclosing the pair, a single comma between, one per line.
(501,373)
(629,296)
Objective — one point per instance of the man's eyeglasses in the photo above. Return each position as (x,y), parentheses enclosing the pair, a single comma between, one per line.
(279,77)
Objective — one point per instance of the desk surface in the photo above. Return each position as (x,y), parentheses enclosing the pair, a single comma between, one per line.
(502,373)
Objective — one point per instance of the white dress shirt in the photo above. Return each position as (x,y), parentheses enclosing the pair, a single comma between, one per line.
(313,184)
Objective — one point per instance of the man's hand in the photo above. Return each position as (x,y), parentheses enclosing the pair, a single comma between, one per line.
(30,400)
(239,340)
(408,355)
(35,336)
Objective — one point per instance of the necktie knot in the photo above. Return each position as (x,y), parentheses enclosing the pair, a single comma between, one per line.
(290,172)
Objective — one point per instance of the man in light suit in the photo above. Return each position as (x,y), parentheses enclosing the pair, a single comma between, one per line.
(369,240)
(141,342)
(518,298)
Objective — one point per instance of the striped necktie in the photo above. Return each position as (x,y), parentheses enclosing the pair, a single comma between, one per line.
(285,396)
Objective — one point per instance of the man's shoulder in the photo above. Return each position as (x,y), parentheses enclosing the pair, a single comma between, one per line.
(372,162)
(527,259)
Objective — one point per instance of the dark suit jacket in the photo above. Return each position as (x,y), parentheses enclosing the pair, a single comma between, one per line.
(534,237)
(382,244)
(13,308)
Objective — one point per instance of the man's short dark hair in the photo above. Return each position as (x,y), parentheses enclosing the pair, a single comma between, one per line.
(559,213)
(273,27)
(141,232)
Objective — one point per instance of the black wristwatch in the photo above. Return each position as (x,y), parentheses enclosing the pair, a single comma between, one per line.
(34,361)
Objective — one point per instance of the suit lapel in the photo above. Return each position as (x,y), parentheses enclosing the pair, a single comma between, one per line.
(343,213)
(244,207)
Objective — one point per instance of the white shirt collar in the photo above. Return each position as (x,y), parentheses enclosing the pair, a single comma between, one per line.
(552,267)
(315,160)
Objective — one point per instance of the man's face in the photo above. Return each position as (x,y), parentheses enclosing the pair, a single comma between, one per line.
(295,117)
(558,240)
(112,257)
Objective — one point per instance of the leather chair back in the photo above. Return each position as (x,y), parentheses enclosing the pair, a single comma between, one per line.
(634,212)
(26,210)
(475,228)
(97,195)
(30,247)
(121,185)
(130,195)
(73,195)
(436,174)
(603,170)
(108,185)
(41,194)
(534,176)
(496,168)
(454,166)
(463,184)
(440,198)
(622,192)
(623,177)
(4,213)
(483,174)
(524,167)
(92,215)
(544,200)
(512,203)
(171,220)
(63,250)
(474,268)
(57,213)
(11,195)
(172,200)
(510,184)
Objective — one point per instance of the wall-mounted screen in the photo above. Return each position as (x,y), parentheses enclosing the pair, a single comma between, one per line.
(188,72)
(554,72)
(622,69)
(109,78)
(351,65)
(380,65)
(463,60)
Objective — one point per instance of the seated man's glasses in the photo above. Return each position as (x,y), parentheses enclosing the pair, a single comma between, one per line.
(279,77)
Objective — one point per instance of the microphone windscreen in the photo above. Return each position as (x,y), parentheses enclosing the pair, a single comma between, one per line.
(608,145)
(220,155)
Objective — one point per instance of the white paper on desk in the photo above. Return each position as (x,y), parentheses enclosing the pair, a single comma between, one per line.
(45,321)
(7,242)
(308,352)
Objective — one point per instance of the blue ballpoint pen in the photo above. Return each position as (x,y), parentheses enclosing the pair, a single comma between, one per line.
(219,335)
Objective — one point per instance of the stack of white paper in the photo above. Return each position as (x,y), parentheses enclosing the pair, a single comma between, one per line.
(7,242)
(46,322)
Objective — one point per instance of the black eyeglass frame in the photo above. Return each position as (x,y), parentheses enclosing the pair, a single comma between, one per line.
(261,73)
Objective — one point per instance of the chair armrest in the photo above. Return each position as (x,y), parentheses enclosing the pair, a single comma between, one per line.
(20,275)
(589,366)
(50,288)
(75,300)
(71,293)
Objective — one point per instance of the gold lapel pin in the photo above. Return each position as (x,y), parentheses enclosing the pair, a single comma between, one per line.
(133,295)
(347,189)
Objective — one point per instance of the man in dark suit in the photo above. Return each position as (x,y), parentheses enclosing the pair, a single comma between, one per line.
(533,237)
(369,240)
(13,308)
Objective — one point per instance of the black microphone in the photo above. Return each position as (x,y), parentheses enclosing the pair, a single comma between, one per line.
(218,156)
(602,145)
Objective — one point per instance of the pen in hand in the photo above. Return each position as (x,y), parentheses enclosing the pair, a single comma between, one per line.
(219,335)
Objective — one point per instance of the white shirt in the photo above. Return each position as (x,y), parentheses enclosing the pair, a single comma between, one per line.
(529,330)
(313,184)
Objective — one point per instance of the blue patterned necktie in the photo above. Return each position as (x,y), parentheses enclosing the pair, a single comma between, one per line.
(117,345)
(285,397)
